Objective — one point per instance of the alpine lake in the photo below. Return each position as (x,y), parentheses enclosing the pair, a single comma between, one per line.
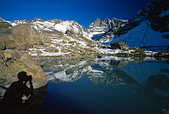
(107,85)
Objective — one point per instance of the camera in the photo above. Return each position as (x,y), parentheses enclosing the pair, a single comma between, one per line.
(29,78)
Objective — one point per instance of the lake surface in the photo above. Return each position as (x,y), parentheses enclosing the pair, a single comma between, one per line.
(108,85)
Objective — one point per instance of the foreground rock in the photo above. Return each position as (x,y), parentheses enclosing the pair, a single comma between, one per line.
(12,62)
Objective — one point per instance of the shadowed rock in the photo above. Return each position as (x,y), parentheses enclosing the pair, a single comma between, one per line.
(13,62)
(119,45)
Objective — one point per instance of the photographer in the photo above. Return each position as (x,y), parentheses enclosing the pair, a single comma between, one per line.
(19,93)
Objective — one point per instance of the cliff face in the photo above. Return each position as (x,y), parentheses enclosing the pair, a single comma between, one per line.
(103,31)
(105,25)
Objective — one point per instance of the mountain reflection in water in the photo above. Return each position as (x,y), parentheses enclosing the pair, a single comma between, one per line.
(142,82)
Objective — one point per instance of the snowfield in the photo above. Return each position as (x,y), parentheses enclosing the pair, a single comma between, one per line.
(142,35)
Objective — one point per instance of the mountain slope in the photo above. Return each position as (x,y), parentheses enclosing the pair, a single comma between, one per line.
(54,25)
(59,38)
(145,37)
(148,29)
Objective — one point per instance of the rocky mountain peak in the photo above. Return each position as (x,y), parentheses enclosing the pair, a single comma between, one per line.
(105,25)
(96,23)
(98,28)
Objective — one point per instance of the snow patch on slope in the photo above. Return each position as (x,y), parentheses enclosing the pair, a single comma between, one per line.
(52,26)
(142,35)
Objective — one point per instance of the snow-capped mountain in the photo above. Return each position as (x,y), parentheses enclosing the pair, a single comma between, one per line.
(148,29)
(54,25)
(57,37)
(98,28)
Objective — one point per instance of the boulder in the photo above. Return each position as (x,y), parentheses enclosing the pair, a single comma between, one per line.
(12,62)
(70,33)
(20,37)
(119,45)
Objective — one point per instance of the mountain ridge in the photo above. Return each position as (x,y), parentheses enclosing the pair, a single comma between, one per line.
(148,29)
(53,25)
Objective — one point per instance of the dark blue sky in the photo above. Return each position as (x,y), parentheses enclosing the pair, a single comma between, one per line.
(82,11)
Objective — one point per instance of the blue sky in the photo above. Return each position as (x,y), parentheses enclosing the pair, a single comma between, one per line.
(82,11)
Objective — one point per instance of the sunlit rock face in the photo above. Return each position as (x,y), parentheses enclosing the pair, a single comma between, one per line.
(20,37)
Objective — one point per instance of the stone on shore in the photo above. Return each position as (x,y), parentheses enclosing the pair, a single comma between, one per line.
(12,62)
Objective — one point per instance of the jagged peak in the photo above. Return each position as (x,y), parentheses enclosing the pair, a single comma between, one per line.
(97,21)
